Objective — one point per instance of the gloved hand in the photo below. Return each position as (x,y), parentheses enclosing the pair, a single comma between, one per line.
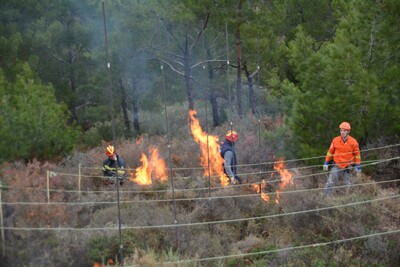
(121,172)
(358,170)
(326,166)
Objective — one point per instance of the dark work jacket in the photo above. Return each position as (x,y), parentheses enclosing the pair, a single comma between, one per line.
(110,166)
(227,145)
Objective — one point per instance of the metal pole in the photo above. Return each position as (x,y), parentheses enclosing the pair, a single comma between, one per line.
(208,153)
(79,181)
(259,147)
(113,129)
(121,246)
(227,74)
(259,111)
(48,187)
(209,171)
(168,135)
(2,223)
(110,87)
(208,146)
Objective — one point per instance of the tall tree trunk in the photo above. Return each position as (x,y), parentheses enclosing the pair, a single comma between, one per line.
(251,96)
(73,85)
(239,59)
(214,109)
(70,61)
(212,95)
(124,107)
(188,75)
(135,108)
(250,84)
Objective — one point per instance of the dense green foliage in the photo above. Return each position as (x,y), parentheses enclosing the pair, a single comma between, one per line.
(349,79)
(283,73)
(316,62)
(32,123)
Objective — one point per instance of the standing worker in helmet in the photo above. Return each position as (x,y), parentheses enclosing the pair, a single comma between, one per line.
(229,155)
(113,166)
(345,153)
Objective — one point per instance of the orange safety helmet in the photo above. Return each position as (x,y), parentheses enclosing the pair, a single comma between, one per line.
(345,126)
(231,136)
(110,151)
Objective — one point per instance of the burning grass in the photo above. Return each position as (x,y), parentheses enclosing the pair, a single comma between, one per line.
(150,204)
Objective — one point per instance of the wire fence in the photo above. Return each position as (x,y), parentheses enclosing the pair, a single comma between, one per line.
(248,190)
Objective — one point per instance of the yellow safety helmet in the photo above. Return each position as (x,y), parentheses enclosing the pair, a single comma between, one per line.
(110,151)
(231,136)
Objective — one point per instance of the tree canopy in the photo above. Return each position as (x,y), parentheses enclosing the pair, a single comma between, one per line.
(33,124)
(315,62)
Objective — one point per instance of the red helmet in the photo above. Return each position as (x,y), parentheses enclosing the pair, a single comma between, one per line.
(345,126)
(231,136)
(110,151)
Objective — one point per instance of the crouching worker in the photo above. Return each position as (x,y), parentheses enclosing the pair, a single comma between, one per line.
(113,167)
(345,153)
(229,155)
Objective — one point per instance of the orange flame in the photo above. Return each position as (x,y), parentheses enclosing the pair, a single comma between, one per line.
(155,166)
(286,177)
(211,160)
(263,195)
(158,165)
(110,262)
(139,140)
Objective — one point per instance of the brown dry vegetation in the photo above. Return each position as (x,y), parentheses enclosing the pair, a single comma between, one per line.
(83,245)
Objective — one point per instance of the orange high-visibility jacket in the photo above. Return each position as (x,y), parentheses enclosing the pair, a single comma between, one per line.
(344,153)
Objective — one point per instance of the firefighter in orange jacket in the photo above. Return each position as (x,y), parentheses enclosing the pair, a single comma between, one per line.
(345,152)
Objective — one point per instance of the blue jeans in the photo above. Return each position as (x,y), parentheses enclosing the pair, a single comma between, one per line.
(238,179)
(334,174)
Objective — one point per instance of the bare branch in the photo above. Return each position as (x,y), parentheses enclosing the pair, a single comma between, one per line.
(58,58)
(178,62)
(176,40)
(170,65)
(204,26)
(206,61)
(251,76)
(84,105)
(74,55)
(175,55)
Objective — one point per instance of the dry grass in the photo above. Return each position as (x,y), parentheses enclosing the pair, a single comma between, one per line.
(152,247)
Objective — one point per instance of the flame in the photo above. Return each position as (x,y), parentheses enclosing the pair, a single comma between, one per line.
(286,177)
(155,167)
(110,262)
(211,160)
(139,140)
(158,165)
(143,173)
(263,195)
(277,197)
